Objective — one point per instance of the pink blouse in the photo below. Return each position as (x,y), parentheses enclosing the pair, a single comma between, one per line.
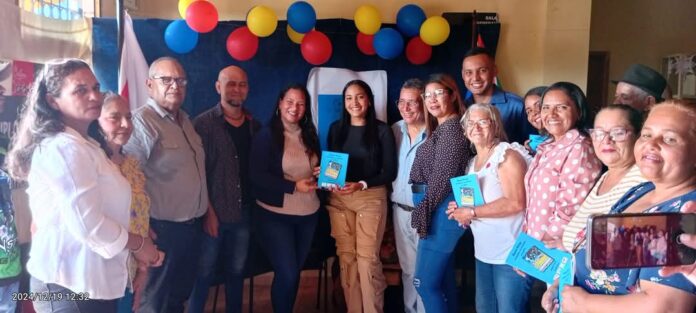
(558,180)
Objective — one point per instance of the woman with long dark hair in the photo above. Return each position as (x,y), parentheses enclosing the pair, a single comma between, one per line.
(358,211)
(80,202)
(283,156)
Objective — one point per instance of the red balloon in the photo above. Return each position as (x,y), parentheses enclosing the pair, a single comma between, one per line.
(242,44)
(417,51)
(365,43)
(202,16)
(316,48)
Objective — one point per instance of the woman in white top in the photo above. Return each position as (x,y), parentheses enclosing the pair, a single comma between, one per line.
(79,200)
(500,168)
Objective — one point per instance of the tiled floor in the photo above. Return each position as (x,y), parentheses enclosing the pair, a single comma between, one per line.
(307,297)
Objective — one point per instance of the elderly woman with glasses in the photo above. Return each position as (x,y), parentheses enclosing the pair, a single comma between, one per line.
(80,202)
(664,153)
(615,132)
(445,154)
(565,166)
(500,168)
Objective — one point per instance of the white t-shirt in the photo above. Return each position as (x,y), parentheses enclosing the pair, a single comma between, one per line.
(80,204)
(494,237)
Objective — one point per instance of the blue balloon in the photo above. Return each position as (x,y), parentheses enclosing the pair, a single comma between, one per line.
(409,20)
(179,37)
(301,17)
(388,43)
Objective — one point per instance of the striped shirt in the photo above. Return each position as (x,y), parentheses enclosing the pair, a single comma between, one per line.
(599,204)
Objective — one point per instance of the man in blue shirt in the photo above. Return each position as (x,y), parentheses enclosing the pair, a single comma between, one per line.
(409,134)
(479,72)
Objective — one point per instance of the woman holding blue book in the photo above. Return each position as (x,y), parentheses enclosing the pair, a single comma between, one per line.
(445,154)
(499,168)
(283,156)
(358,210)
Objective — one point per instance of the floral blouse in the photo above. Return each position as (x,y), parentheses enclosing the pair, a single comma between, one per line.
(627,280)
(140,203)
(557,182)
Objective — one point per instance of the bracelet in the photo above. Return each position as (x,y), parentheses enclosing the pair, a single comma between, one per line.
(473,212)
(142,243)
(364,185)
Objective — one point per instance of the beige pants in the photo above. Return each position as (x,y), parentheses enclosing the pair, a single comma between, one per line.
(357,224)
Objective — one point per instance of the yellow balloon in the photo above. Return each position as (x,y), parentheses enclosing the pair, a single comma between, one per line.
(435,30)
(294,35)
(262,21)
(183,5)
(367,19)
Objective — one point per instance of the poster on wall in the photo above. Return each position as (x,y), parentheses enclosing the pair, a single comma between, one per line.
(16,78)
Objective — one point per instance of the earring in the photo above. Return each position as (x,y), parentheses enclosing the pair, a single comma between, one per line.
(277,112)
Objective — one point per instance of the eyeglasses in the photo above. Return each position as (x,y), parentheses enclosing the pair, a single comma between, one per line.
(615,134)
(168,80)
(413,104)
(483,123)
(436,93)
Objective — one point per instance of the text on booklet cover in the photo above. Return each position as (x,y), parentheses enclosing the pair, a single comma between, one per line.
(334,166)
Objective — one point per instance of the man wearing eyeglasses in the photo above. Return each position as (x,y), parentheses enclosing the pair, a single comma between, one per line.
(226,130)
(409,134)
(479,72)
(171,156)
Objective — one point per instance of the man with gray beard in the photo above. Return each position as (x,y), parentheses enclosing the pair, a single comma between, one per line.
(226,131)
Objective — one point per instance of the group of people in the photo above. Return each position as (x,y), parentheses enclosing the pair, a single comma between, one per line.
(147,201)
(638,245)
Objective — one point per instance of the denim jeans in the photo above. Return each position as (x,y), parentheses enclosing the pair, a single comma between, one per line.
(67,303)
(169,286)
(435,279)
(500,289)
(233,242)
(7,303)
(286,240)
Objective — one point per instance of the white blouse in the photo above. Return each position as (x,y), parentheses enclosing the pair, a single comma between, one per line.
(80,204)
(495,236)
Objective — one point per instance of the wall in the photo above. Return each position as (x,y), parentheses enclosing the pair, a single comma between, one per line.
(641,31)
(535,47)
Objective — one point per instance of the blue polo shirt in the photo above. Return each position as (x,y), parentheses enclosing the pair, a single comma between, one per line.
(511,109)
(407,154)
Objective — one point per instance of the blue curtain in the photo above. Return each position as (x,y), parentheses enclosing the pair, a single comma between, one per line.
(278,61)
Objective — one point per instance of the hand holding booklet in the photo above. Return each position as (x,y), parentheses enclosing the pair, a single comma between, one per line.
(334,166)
(467,191)
(532,257)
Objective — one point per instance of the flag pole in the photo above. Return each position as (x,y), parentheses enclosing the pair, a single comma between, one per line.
(119,25)
(474,30)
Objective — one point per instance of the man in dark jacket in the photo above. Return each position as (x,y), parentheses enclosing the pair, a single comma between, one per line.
(226,131)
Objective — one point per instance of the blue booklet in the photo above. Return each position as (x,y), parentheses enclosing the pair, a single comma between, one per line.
(536,140)
(531,256)
(566,278)
(334,166)
(467,191)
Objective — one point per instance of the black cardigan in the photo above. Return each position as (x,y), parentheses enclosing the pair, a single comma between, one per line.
(266,161)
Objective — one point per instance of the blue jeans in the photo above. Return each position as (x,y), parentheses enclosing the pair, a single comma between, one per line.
(435,279)
(7,303)
(500,289)
(169,285)
(67,303)
(233,242)
(286,240)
